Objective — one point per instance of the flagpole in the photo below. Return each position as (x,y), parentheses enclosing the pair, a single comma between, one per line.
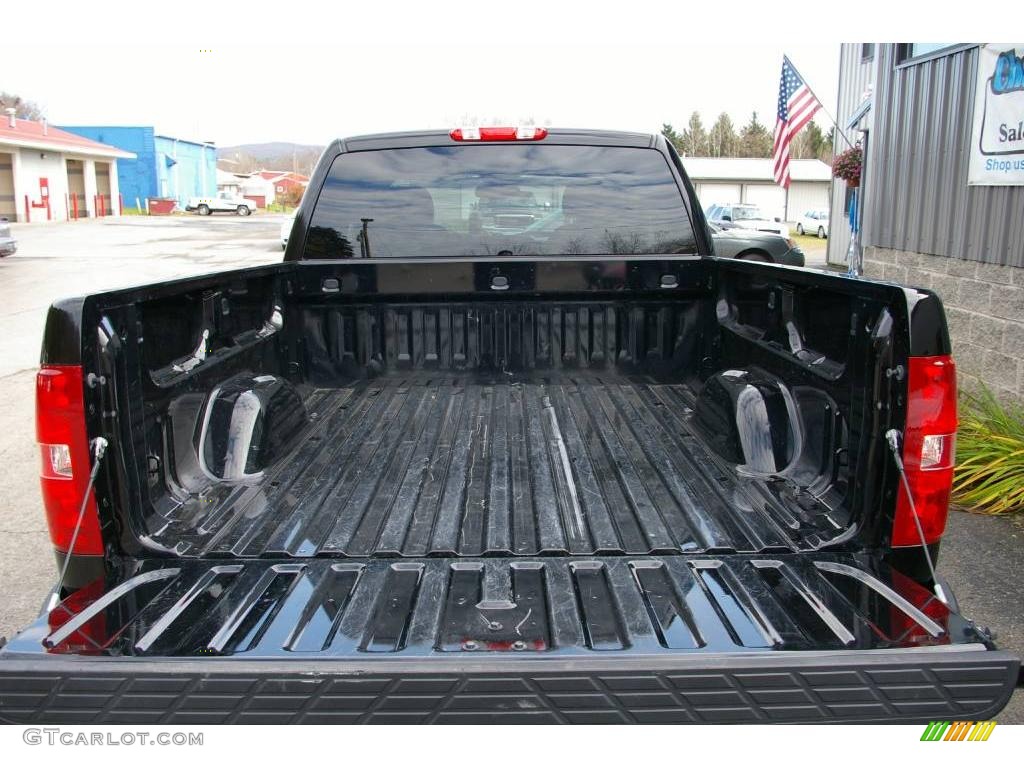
(821,103)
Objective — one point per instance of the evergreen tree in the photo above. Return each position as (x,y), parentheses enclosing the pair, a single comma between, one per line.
(815,139)
(755,140)
(673,137)
(828,146)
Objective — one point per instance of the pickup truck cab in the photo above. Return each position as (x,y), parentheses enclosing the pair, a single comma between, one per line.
(223,202)
(567,466)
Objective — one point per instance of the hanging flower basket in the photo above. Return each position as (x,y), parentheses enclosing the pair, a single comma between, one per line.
(847,166)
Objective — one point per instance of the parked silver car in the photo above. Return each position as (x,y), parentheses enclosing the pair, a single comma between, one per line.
(8,244)
(757,246)
(745,216)
(814,222)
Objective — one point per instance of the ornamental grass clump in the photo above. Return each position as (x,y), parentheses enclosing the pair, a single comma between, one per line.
(990,455)
(847,166)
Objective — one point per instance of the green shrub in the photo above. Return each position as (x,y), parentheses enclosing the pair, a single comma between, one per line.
(276,207)
(990,455)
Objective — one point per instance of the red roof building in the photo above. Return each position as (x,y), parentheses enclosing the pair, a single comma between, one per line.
(285,180)
(47,174)
(283,183)
(40,135)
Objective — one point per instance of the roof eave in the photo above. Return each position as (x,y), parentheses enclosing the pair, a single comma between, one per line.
(66,148)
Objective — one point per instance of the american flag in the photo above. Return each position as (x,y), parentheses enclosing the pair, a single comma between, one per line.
(797,106)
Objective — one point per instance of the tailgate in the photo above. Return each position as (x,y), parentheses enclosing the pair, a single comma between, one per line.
(797,638)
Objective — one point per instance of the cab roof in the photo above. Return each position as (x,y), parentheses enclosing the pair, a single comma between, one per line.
(436,138)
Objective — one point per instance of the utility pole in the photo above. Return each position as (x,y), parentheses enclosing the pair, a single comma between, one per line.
(364,238)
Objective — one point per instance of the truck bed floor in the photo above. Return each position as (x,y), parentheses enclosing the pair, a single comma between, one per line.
(457,466)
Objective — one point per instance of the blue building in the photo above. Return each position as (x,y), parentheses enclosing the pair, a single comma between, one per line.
(163,166)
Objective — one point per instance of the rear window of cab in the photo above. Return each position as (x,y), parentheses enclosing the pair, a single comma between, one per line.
(499,200)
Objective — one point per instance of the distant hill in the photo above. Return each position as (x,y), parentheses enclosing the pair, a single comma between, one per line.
(272,155)
(267,149)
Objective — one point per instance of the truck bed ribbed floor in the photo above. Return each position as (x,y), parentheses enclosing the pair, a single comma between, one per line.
(448,466)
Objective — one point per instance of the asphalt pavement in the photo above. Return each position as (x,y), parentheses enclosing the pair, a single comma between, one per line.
(69,259)
(982,557)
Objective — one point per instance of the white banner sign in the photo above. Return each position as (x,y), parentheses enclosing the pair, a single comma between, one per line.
(997,141)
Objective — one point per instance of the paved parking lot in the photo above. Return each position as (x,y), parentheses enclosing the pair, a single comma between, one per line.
(58,260)
(982,557)
(815,250)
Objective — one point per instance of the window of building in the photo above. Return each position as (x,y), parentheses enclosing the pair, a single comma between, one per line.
(867,51)
(914,53)
(923,49)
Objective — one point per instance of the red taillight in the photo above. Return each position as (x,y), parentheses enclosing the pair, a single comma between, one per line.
(523,133)
(64,445)
(929,449)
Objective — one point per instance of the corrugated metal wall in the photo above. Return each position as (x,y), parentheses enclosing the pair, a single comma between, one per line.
(185,169)
(855,75)
(916,197)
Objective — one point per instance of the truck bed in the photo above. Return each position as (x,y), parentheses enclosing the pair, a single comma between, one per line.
(448,465)
(636,486)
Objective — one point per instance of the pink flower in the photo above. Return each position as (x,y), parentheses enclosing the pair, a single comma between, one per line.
(847,165)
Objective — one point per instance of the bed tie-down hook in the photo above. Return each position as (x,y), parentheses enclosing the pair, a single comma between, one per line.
(197,357)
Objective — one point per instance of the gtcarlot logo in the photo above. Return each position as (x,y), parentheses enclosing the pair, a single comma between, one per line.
(69,737)
(961,730)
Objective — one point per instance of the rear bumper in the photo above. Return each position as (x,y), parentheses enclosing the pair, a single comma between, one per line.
(959,682)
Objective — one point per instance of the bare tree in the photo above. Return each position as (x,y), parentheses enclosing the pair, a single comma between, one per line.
(722,140)
(25,109)
(812,144)
(695,138)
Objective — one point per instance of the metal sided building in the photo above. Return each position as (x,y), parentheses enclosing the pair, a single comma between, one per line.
(725,180)
(931,215)
(165,166)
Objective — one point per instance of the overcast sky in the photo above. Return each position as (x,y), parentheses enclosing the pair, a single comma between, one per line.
(310,95)
(317,70)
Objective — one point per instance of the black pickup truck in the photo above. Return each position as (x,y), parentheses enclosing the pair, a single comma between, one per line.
(542,459)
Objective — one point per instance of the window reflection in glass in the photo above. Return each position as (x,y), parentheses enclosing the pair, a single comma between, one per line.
(499,200)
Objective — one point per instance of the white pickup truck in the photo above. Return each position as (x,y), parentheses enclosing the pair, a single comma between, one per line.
(224,201)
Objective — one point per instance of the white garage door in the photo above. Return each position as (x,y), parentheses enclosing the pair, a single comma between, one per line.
(770,198)
(807,196)
(710,193)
